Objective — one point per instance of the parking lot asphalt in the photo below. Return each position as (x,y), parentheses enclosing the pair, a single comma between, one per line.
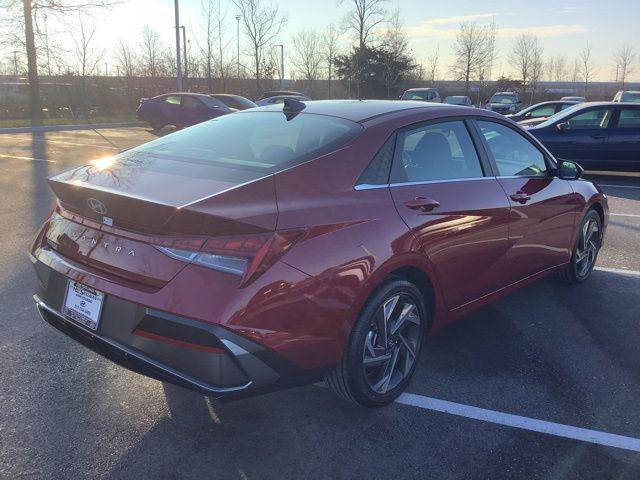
(568,356)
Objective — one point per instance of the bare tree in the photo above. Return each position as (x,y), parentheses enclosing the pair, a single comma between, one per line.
(575,70)
(396,44)
(329,47)
(125,59)
(307,56)
(473,49)
(365,17)
(86,55)
(433,63)
(151,51)
(209,13)
(262,23)
(537,69)
(557,69)
(524,57)
(216,43)
(22,14)
(625,58)
(587,69)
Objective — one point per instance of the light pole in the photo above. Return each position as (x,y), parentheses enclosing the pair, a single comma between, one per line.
(238,17)
(184,51)
(178,62)
(281,65)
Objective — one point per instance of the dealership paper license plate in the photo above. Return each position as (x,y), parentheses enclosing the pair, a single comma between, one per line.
(83,304)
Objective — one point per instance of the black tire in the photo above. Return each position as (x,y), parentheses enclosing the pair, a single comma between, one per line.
(356,382)
(580,267)
(156,126)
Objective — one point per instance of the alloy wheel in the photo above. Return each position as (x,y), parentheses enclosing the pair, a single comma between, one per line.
(588,245)
(392,343)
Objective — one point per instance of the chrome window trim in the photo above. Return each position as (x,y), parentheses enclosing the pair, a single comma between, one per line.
(369,186)
(365,186)
(448,180)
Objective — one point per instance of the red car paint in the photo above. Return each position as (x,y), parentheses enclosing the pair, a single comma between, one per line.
(476,246)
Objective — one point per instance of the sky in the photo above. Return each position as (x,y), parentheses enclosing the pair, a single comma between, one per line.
(563,27)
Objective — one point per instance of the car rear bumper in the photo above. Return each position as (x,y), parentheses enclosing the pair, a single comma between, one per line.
(206,358)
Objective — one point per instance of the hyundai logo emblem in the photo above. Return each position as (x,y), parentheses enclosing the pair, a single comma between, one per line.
(97,206)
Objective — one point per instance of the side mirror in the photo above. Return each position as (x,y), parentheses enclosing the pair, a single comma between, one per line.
(563,126)
(568,170)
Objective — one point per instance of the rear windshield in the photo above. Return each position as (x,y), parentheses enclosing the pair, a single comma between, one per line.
(257,141)
(419,95)
(497,98)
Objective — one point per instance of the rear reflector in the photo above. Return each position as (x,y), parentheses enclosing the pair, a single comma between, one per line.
(178,343)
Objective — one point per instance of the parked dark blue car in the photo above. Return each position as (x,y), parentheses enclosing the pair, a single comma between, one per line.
(597,135)
(180,109)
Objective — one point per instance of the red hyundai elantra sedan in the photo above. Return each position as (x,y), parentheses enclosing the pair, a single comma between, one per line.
(277,246)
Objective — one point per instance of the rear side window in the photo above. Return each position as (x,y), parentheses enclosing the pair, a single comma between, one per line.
(514,155)
(377,172)
(257,141)
(591,119)
(629,118)
(191,102)
(173,99)
(442,151)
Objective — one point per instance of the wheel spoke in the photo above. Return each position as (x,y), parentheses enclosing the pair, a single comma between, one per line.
(407,314)
(383,385)
(407,346)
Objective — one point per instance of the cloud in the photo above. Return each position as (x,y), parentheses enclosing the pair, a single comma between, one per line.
(459,19)
(428,30)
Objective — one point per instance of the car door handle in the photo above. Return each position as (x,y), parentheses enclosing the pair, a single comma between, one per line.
(520,197)
(598,136)
(422,204)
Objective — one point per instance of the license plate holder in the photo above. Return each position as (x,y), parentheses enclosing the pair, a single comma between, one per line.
(83,304)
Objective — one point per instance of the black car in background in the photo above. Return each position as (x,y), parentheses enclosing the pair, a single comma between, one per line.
(458,100)
(234,101)
(279,93)
(597,135)
(504,103)
(539,112)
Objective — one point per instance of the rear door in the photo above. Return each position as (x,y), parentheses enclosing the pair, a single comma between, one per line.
(194,111)
(624,139)
(456,211)
(543,207)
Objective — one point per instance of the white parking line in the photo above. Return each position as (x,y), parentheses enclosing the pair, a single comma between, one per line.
(634,273)
(17,157)
(525,423)
(624,215)
(619,186)
(78,144)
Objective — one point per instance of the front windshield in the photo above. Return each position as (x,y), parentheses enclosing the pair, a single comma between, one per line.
(503,99)
(558,116)
(253,140)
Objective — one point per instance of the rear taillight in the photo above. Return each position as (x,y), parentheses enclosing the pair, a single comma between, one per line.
(247,256)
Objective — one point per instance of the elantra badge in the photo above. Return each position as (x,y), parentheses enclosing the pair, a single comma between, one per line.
(97,206)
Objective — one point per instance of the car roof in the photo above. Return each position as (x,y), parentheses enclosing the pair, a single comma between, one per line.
(420,89)
(358,110)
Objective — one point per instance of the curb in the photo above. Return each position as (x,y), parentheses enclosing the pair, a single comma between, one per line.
(60,128)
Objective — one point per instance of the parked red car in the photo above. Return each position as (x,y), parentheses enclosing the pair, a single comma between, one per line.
(277,245)
(180,109)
